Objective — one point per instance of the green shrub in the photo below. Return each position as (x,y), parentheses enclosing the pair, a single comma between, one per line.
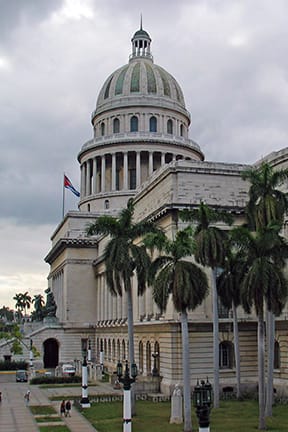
(56,380)
(12,365)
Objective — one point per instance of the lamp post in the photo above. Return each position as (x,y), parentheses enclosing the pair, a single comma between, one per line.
(85,403)
(31,353)
(155,371)
(127,380)
(89,351)
(202,399)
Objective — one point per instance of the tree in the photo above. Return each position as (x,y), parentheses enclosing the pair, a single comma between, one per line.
(210,251)
(19,304)
(171,274)
(267,204)
(26,301)
(228,289)
(263,282)
(39,310)
(6,314)
(124,258)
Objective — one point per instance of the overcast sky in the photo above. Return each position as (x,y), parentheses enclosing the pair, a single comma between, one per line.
(229,57)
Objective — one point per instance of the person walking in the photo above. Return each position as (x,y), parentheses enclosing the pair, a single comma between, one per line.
(27,397)
(62,409)
(68,408)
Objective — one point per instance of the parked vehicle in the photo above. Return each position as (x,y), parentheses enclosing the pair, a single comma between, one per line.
(21,375)
(68,370)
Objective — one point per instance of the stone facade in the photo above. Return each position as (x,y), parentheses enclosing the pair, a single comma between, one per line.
(153,160)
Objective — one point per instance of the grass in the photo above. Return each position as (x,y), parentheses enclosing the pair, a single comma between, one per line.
(232,416)
(44,386)
(46,419)
(42,410)
(53,428)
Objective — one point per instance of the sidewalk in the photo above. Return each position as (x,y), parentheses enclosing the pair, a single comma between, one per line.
(15,416)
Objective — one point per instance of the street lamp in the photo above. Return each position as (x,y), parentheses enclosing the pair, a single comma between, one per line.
(155,371)
(202,399)
(126,380)
(85,403)
(31,353)
(89,351)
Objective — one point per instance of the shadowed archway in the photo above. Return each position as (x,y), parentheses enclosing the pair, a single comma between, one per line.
(51,353)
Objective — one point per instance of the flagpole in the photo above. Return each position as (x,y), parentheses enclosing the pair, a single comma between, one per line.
(63,197)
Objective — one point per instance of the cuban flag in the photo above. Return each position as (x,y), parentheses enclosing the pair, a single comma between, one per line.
(68,185)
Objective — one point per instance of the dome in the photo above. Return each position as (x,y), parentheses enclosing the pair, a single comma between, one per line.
(140,81)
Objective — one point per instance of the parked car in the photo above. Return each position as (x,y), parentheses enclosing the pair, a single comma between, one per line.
(68,370)
(21,375)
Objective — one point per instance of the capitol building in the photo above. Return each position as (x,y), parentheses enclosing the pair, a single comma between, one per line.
(141,148)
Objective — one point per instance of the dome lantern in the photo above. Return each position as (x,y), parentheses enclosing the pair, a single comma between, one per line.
(141,44)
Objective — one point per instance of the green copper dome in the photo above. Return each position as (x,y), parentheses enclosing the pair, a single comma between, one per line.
(139,80)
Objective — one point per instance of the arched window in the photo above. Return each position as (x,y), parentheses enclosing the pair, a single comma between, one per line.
(226,356)
(148,358)
(109,350)
(141,360)
(113,350)
(118,350)
(276,355)
(153,124)
(134,124)
(123,350)
(116,125)
(170,127)
(181,130)
(106,204)
(102,129)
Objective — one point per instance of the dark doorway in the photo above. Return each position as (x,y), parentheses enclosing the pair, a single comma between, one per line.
(51,353)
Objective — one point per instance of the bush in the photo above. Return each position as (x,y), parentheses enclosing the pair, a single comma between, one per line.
(56,380)
(12,365)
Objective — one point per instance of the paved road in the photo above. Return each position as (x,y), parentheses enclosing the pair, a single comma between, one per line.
(15,416)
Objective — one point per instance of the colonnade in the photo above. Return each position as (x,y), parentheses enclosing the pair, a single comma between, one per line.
(114,308)
(125,170)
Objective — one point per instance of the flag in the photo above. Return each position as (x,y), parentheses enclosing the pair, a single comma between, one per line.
(68,185)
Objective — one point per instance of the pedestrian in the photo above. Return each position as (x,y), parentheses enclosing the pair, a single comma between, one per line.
(62,408)
(27,397)
(68,408)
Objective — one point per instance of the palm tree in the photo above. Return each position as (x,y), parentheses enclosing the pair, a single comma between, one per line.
(210,251)
(124,258)
(228,289)
(38,313)
(267,203)
(19,304)
(263,282)
(171,274)
(26,300)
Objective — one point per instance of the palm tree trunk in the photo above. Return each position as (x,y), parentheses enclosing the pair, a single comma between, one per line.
(131,353)
(130,327)
(186,373)
(236,350)
(215,340)
(261,371)
(270,368)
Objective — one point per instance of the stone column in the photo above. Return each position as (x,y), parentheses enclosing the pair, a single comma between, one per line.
(150,168)
(138,169)
(83,169)
(113,186)
(125,170)
(162,159)
(94,175)
(88,178)
(103,173)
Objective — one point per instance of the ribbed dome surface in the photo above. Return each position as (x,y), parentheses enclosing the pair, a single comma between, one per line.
(141,77)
